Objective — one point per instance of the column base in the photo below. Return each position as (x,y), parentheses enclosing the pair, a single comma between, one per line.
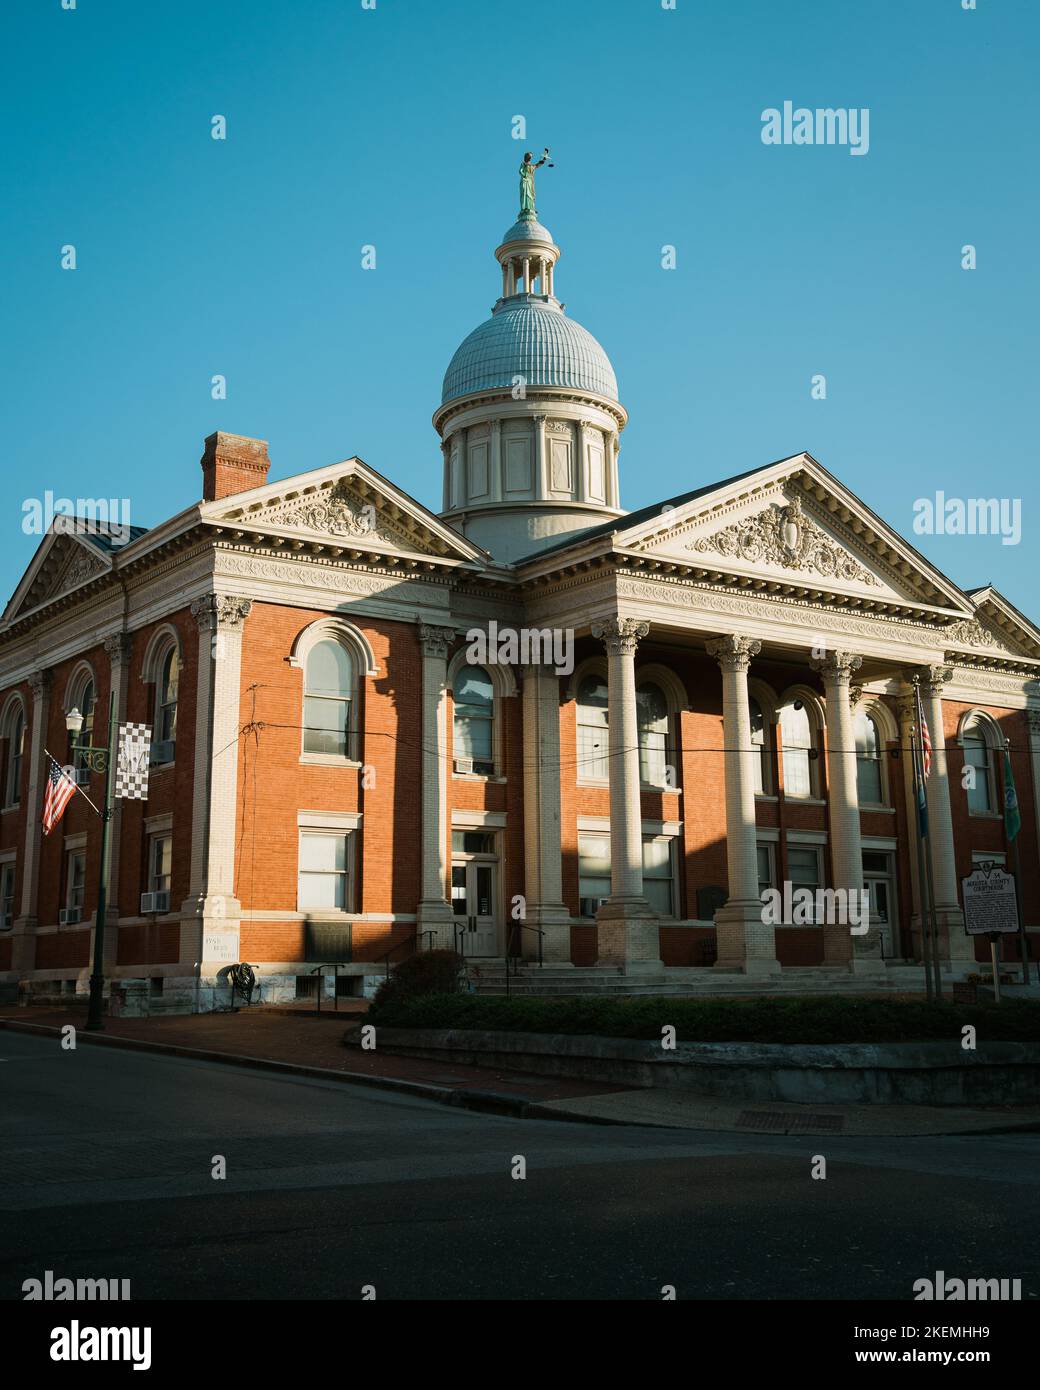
(210,933)
(956,947)
(435,915)
(555,921)
(628,936)
(745,942)
(23,946)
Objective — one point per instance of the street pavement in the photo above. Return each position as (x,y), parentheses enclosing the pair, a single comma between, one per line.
(107,1159)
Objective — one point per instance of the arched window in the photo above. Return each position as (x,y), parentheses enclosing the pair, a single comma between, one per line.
(475,719)
(328,691)
(760,745)
(14,732)
(166,700)
(868,760)
(593,750)
(977,741)
(796,741)
(82,697)
(652,722)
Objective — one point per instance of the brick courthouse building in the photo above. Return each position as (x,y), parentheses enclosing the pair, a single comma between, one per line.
(333,780)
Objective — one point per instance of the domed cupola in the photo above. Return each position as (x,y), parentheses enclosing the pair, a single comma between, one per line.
(529,417)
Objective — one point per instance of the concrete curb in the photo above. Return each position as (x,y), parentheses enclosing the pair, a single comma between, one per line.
(487,1102)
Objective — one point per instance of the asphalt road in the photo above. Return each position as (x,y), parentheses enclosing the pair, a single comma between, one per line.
(107,1160)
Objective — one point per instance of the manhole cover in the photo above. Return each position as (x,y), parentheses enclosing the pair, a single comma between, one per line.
(790,1123)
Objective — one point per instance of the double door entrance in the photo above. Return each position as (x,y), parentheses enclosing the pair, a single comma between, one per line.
(474,871)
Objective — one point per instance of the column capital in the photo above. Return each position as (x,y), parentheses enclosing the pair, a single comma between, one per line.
(933,678)
(620,636)
(220,611)
(435,641)
(118,648)
(733,653)
(40,682)
(836,668)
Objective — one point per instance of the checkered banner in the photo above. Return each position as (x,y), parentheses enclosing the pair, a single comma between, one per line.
(135,751)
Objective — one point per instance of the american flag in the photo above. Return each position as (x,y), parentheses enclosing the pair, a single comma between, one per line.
(926,738)
(60,791)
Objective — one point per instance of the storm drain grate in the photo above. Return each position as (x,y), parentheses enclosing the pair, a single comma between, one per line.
(779,1120)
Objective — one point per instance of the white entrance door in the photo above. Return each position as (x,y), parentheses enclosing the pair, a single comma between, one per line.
(879,880)
(473,899)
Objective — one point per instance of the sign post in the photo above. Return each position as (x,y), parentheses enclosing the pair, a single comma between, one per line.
(990,909)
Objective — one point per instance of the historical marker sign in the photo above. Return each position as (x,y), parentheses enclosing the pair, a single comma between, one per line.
(989,902)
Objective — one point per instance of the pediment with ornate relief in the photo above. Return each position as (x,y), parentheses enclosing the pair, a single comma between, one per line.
(976,635)
(351,506)
(66,565)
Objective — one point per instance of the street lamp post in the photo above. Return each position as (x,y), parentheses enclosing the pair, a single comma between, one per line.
(98,760)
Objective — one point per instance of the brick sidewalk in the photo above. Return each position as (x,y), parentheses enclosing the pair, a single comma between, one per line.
(305,1039)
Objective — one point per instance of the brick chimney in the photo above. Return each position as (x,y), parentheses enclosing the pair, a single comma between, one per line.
(232,463)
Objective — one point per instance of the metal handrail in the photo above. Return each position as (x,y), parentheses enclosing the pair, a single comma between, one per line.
(335,993)
(408,941)
(524,926)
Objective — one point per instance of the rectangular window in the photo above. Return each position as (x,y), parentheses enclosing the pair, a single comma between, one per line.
(658,880)
(76,880)
(160,859)
(593,867)
(473,841)
(327,723)
(6,896)
(324,870)
(803,865)
(658,872)
(765,868)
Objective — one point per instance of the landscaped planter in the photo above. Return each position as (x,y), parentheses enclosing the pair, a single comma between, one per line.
(927,1073)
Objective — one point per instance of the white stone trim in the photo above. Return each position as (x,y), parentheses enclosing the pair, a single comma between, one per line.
(806,837)
(341,630)
(478,820)
(158,825)
(77,841)
(165,636)
(328,820)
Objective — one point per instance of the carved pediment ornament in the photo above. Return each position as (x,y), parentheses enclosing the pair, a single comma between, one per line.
(970,632)
(787,537)
(335,512)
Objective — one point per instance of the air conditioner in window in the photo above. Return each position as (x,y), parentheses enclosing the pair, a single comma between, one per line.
(68,916)
(463,764)
(155,902)
(163,751)
(81,776)
(589,906)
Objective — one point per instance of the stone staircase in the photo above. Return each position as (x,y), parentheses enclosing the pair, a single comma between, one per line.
(488,977)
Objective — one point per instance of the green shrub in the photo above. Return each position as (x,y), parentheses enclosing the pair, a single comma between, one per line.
(769,1020)
(426,973)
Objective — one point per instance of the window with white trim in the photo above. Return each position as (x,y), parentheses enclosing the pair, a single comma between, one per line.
(766,867)
(803,866)
(14,732)
(7,895)
(328,698)
(760,742)
(325,872)
(652,724)
(160,863)
(796,743)
(869,780)
(166,700)
(659,886)
(76,879)
(976,740)
(593,737)
(83,698)
(474,719)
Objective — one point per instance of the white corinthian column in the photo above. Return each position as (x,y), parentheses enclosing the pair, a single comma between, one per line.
(956,948)
(434,911)
(627,926)
(745,942)
(843,805)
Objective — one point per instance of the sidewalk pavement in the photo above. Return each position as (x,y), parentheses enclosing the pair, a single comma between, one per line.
(303,1043)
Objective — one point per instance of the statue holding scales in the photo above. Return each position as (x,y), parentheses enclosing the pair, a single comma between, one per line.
(527,169)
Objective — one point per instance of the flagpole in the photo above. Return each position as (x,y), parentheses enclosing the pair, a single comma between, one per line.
(921,877)
(926,836)
(97,974)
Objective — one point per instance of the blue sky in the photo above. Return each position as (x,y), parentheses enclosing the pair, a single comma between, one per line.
(392,127)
